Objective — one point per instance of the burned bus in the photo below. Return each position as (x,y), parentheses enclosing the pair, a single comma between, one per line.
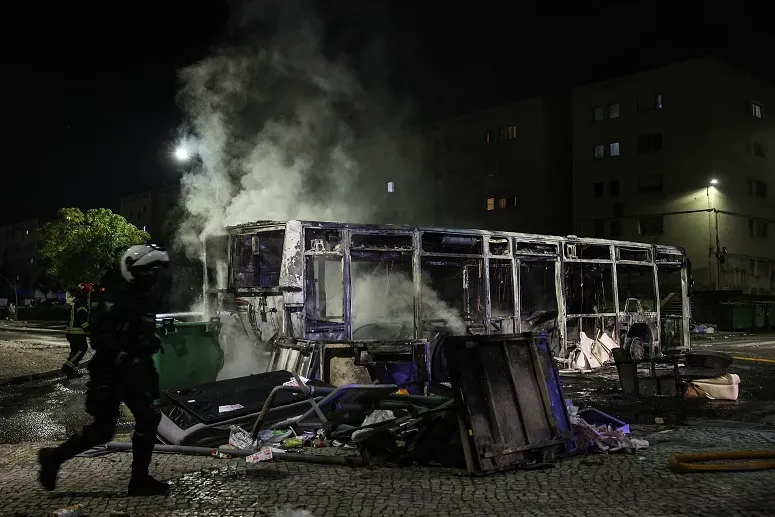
(341,302)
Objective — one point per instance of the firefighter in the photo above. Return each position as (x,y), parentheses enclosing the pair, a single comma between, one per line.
(78,328)
(121,369)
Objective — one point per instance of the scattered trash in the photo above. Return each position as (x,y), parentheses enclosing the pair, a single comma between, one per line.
(590,355)
(602,432)
(230,407)
(75,510)
(723,387)
(240,438)
(264,454)
(293,382)
(703,329)
(375,417)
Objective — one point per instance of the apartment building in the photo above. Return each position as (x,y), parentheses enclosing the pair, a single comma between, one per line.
(506,167)
(150,211)
(19,255)
(682,155)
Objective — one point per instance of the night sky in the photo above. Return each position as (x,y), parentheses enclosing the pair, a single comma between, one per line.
(90,96)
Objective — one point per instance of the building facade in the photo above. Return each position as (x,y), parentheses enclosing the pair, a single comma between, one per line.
(19,257)
(681,155)
(506,167)
(151,211)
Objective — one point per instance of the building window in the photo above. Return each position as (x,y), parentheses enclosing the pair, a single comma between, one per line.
(754,108)
(650,143)
(598,189)
(599,152)
(757,229)
(390,186)
(502,203)
(651,225)
(614,149)
(613,110)
(650,183)
(598,229)
(658,101)
(508,133)
(598,114)
(618,209)
(490,203)
(613,188)
(755,148)
(488,136)
(615,229)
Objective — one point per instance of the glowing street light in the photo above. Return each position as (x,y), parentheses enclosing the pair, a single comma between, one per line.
(182,154)
(714,181)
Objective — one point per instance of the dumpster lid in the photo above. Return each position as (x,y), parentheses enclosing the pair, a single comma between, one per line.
(204,400)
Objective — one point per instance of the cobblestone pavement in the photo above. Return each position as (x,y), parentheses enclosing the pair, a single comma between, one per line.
(625,485)
(21,357)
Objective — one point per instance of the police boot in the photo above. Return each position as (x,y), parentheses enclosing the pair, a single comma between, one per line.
(50,460)
(141,483)
(145,485)
(71,372)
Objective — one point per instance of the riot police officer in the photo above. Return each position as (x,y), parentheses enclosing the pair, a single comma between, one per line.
(121,369)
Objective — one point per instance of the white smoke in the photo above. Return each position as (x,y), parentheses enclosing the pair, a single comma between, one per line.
(384,297)
(242,354)
(269,127)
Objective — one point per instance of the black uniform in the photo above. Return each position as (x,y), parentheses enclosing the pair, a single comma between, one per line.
(76,332)
(121,369)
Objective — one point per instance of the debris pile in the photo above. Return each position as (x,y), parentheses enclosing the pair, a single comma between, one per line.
(596,431)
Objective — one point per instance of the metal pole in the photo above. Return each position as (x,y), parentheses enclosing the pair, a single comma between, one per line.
(242,453)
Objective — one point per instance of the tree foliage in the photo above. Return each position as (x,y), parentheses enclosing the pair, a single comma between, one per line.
(78,247)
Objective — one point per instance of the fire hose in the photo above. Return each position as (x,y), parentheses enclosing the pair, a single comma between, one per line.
(683,463)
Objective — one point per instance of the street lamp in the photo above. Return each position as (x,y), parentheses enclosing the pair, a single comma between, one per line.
(182,154)
(714,181)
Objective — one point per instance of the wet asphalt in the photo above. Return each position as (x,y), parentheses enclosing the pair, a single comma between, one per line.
(52,409)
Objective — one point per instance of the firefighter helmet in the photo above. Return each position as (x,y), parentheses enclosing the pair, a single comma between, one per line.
(143,261)
(84,288)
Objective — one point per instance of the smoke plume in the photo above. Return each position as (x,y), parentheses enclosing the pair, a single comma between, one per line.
(271,122)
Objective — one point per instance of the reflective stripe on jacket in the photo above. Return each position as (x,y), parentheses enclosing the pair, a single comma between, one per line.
(79,316)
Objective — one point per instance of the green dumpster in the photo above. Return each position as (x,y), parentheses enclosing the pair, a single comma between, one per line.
(189,355)
(735,316)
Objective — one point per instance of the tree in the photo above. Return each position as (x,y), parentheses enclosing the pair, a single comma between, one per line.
(78,247)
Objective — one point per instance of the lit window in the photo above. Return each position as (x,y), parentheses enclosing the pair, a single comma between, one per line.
(502,203)
(613,111)
(390,186)
(508,133)
(658,101)
(757,110)
(490,203)
(143,227)
(614,149)
(598,114)
(599,152)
